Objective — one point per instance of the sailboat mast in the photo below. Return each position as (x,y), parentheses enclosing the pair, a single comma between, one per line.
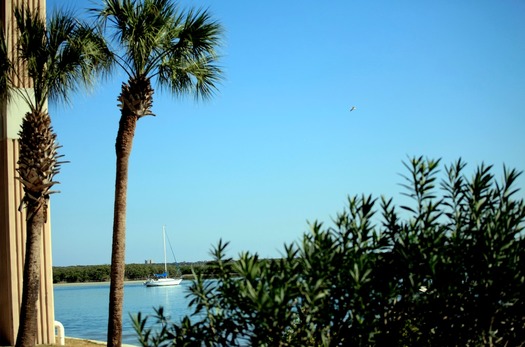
(164,238)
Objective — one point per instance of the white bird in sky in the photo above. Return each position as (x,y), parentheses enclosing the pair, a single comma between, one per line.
(353,108)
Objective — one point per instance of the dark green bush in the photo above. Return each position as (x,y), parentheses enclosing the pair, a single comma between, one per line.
(447,270)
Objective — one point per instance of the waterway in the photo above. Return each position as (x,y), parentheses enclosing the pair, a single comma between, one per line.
(83,308)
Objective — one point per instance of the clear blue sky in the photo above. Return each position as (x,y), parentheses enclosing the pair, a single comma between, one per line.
(277,146)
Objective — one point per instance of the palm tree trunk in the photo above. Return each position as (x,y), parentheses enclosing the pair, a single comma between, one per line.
(27,329)
(123,146)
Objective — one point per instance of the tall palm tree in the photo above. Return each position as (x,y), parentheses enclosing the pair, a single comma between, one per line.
(58,57)
(176,49)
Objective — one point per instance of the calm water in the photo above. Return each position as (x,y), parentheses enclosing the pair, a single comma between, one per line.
(83,308)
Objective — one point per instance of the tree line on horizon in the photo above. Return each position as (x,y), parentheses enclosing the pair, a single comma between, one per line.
(102,273)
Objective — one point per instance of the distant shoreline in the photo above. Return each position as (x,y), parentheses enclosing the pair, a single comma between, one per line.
(92,283)
(134,272)
(60,284)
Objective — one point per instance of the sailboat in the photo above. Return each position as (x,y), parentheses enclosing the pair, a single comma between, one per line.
(163,279)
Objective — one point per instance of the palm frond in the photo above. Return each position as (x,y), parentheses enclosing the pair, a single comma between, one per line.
(189,65)
(61,56)
(138,29)
(200,34)
(5,66)
(78,62)
(198,77)
(32,42)
(95,55)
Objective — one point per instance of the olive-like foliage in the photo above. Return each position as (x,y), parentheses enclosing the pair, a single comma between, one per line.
(446,269)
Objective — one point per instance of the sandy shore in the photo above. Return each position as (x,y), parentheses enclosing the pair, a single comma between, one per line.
(78,342)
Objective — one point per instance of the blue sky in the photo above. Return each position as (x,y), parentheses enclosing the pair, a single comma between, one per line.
(277,146)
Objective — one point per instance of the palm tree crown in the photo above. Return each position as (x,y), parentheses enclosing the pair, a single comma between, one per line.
(156,40)
(60,57)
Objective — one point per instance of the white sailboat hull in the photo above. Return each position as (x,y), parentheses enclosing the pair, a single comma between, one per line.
(162,282)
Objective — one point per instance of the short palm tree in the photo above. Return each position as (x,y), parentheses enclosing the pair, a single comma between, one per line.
(58,57)
(155,41)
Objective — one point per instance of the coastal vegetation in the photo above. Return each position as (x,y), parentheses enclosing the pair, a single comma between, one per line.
(446,269)
(133,272)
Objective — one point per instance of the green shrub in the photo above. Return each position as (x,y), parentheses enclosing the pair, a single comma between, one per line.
(447,270)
